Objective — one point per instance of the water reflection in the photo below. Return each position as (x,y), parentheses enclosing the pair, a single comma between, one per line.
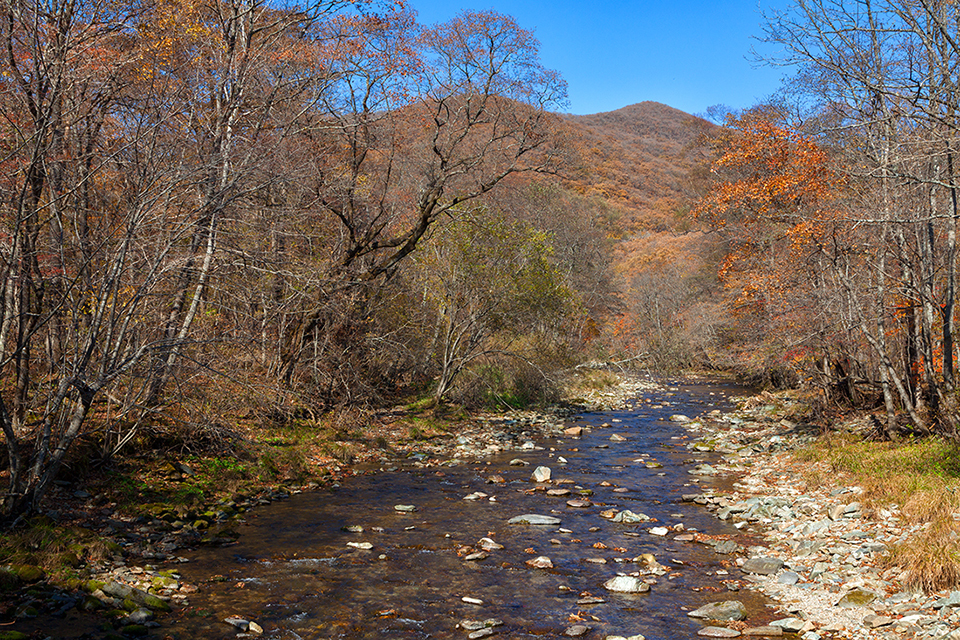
(294,573)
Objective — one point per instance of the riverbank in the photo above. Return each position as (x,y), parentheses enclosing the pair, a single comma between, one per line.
(825,552)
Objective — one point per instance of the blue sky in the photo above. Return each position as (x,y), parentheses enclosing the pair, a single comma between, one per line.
(688,54)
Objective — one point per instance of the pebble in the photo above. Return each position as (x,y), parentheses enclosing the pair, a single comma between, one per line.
(404,508)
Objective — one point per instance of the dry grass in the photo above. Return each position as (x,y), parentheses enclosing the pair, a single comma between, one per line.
(932,560)
(921,477)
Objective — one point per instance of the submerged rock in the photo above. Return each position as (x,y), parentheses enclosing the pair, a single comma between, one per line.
(534,519)
(718,632)
(726,610)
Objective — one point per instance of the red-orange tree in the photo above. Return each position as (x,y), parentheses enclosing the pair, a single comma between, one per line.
(773,204)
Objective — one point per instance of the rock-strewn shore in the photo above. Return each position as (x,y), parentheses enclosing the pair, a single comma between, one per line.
(822,553)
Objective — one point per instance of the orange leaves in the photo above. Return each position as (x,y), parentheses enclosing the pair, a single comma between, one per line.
(775,201)
(768,173)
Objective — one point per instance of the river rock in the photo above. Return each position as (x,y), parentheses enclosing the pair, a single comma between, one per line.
(482,633)
(789,625)
(873,621)
(404,508)
(517,462)
(476,625)
(360,545)
(617,438)
(474,601)
(659,531)
(541,474)
(590,600)
(951,600)
(496,479)
(762,566)
(718,632)
(703,470)
(726,610)
(573,432)
(558,492)
(576,631)
(858,597)
(534,519)
(636,637)
(725,547)
(237,622)
(767,631)
(579,504)
(476,495)
(679,417)
(540,562)
(489,545)
(629,517)
(626,584)
(140,616)
(788,578)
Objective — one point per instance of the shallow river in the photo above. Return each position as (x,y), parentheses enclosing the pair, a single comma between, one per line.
(294,574)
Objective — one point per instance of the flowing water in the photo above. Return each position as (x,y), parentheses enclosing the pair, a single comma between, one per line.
(293,572)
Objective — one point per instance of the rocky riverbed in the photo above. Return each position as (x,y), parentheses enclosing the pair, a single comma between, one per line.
(818,552)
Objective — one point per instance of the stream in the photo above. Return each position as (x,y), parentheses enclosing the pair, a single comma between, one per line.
(293,573)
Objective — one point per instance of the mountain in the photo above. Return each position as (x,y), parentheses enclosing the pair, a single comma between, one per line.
(647,159)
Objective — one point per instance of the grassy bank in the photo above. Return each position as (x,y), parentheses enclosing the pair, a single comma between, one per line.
(917,478)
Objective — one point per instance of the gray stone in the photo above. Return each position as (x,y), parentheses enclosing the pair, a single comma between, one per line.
(576,631)
(678,417)
(541,474)
(768,630)
(517,462)
(726,610)
(475,625)
(718,632)
(762,566)
(404,508)
(482,633)
(629,517)
(726,546)
(140,616)
(534,519)
(836,511)
(789,625)
(788,577)
(579,504)
(237,622)
(626,584)
(952,600)
(874,621)
(703,470)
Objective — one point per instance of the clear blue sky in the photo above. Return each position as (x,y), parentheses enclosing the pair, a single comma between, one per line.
(688,54)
